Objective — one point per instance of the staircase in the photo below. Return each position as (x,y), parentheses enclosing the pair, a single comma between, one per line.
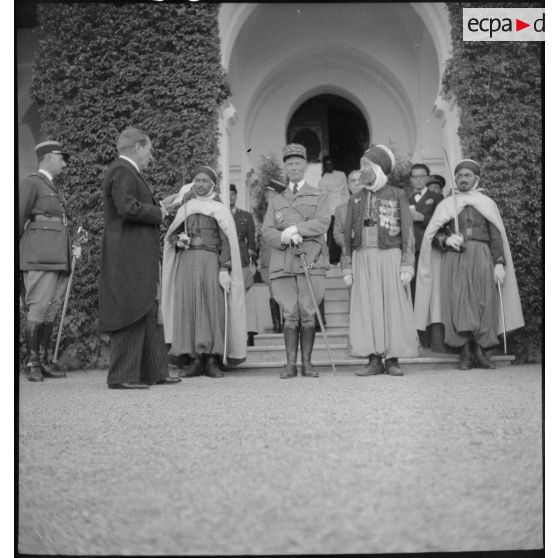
(269,349)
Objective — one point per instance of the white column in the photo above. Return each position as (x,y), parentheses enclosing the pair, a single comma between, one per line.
(227,117)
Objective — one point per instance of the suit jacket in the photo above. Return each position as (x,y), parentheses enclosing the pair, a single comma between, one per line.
(131,248)
(309,211)
(426,205)
(43,245)
(339,224)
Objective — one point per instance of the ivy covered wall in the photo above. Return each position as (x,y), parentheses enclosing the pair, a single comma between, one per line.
(103,67)
(497,86)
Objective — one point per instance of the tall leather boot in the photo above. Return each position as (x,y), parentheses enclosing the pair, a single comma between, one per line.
(291,348)
(307,336)
(275,315)
(392,367)
(465,357)
(195,368)
(373,368)
(482,361)
(212,368)
(34,373)
(45,333)
(321,306)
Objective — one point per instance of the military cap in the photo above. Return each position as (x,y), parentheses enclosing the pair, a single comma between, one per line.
(55,147)
(294,150)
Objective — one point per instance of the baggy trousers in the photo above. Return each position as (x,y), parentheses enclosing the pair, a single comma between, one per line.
(138,352)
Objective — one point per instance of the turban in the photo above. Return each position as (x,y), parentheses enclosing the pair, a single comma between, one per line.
(468,164)
(381,156)
(208,171)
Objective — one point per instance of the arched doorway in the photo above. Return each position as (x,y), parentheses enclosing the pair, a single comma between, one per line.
(330,125)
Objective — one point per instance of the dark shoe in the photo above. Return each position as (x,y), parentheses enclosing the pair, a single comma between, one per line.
(168,381)
(465,357)
(194,369)
(212,368)
(250,342)
(289,372)
(307,337)
(45,333)
(32,332)
(392,367)
(481,360)
(290,334)
(373,368)
(275,315)
(128,385)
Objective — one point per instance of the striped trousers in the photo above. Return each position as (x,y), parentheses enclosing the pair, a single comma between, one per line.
(138,352)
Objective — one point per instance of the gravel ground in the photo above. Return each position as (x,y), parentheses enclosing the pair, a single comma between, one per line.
(435,460)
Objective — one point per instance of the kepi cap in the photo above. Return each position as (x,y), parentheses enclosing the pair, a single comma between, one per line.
(294,150)
(46,147)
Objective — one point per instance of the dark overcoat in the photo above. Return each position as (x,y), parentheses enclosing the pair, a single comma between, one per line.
(426,205)
(131,248)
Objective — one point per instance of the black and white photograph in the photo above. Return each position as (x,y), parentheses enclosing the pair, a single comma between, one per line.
(278,282)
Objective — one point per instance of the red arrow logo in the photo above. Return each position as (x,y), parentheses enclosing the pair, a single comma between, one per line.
(519,25)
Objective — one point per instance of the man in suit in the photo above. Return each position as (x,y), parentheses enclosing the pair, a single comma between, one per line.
(422,203)
(44,255)
(129,293)
(297,220)
(246,232)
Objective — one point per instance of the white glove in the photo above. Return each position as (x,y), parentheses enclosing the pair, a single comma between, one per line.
(225,280)
(287,234)
(183,241)
(296,239)
(76,251)
(348,280)
(499,273)
(406,277)
(164,211)
(454,241)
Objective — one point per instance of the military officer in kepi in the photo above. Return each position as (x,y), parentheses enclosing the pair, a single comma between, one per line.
(297,220)
(246,232)
(44,255)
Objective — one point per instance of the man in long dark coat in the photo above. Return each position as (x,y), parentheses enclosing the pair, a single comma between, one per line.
(129,305)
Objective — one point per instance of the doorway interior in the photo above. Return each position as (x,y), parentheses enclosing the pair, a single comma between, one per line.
(330,125)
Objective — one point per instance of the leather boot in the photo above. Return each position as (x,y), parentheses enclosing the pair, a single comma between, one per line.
(307,336)
(482,361)
(321,306)
(194,369)
(34,373)
(250,341)
(275,315)
(45,333)
(291,348)
(465,357)
(212,367)
(373,368)
(392,367)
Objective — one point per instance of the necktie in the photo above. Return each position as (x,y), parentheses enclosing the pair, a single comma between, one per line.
(295,189)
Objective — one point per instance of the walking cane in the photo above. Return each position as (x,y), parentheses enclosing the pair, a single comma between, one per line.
(306,267)
(503,317)
(225,343)
(82,238)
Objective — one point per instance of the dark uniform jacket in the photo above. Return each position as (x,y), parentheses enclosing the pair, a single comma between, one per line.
(473,226)
(246,231)
(309,211)
(44,241)
(393,217)
(426,205)
(131,248)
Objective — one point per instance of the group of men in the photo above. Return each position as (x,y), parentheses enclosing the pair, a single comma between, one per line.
(409,263)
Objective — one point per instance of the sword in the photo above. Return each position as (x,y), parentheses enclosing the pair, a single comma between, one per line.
(503,317)
(306,267)
(225,343)
(455,219)
(82,238)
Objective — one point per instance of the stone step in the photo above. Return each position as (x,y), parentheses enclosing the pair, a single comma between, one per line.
(337,293)
(334,282)
(336,306)
(338,318)
(334,271)
(337,336)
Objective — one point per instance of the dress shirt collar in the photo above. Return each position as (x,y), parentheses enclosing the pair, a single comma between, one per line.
(421,193)
(46,173)
(298,184)
(130,161)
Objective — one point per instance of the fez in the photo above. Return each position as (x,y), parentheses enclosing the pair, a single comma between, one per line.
(381,156)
